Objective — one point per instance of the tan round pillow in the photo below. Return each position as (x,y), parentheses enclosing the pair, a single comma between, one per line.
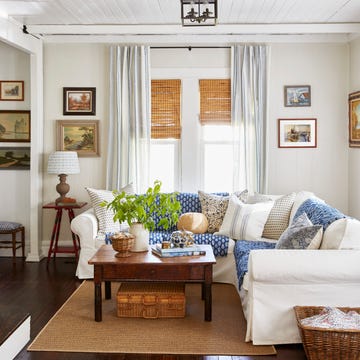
(194,222)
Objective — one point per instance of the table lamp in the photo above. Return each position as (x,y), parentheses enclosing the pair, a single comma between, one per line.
(63,163)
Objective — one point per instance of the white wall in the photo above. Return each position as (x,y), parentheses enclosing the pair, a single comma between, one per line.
(323,170)
(15,184)
(73,65)
(354,153)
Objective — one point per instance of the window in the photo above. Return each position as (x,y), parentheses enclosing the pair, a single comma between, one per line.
(217,158)
(216,135)
(198,147)
(165,133)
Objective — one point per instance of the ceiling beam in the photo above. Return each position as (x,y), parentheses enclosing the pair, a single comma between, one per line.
(281,29)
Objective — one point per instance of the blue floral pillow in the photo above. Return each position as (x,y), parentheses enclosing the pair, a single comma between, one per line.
(301,234)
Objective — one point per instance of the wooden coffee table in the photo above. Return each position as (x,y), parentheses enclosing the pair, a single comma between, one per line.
(144,266)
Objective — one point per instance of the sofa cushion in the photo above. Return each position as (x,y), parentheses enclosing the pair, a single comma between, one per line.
(301,234)
(219,244)
(279,216)
(245,221)
(214,206)
(194,222)
(342,234)
(319,213)
(104,215)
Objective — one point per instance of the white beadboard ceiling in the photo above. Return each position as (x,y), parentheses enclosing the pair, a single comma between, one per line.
(162,17)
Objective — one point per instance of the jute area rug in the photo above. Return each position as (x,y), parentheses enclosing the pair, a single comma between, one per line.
(73,328)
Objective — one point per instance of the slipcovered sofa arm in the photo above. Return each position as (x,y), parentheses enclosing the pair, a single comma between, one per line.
(280,279)
(304,266)
(85,225)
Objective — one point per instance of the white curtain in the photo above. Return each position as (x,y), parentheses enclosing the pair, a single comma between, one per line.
(129,118)
(249,116)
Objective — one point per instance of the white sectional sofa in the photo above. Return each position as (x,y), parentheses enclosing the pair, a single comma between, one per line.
(276,279)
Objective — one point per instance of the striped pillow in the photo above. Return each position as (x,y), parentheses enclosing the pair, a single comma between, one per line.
(104,215)
(245,221)
(279,216)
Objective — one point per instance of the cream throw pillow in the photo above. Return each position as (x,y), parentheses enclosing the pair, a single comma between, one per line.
(194,222)
(245,221)
(342,234)
(104,215)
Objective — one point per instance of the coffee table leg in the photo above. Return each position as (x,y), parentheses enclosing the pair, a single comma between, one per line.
(107,290)
(98,304)
(206,292)
(208,301)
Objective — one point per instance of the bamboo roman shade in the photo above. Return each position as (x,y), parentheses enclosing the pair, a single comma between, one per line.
(165,109)
(215,101)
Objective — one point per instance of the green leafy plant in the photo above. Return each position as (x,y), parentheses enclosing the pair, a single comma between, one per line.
(146,208)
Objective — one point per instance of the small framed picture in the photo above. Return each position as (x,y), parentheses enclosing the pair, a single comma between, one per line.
(14,158)
(79,101)
(297,95)
(14,126)
(296,133)
(11,90)
(81,136)
(354,119)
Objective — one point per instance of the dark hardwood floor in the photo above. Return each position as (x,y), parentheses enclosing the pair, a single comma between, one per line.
(40,291)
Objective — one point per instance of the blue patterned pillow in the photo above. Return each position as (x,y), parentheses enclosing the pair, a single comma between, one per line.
(190,202)
(319,213)
(301,234)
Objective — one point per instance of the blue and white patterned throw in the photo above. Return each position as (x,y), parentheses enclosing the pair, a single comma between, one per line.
(241,253)
(319,213)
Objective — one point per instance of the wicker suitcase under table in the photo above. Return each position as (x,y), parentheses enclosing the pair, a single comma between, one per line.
(151,300)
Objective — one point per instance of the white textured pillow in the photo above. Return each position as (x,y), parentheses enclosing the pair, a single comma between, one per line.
(104,215)
(245,221)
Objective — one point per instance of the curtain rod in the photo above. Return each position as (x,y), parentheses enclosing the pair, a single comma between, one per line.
(190,47)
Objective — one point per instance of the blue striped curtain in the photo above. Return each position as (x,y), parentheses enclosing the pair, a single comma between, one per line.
(129,118)
(249,116)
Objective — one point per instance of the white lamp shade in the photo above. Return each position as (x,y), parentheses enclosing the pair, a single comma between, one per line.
(63,162)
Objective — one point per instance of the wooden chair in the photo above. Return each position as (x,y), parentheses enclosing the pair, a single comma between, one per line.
(12,228)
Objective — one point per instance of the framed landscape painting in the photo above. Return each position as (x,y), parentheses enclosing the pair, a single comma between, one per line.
(297,95)
(12,90)
(14,158)
(14,126)
(354,119)
(297,133)
(79,101)
(81,136)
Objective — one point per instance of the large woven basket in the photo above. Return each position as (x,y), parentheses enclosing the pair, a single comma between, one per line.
(122,243)
(327,344)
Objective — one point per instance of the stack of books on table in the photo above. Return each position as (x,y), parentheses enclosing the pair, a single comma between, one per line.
(185,251)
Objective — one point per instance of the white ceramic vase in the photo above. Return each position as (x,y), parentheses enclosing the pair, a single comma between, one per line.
(141,242)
